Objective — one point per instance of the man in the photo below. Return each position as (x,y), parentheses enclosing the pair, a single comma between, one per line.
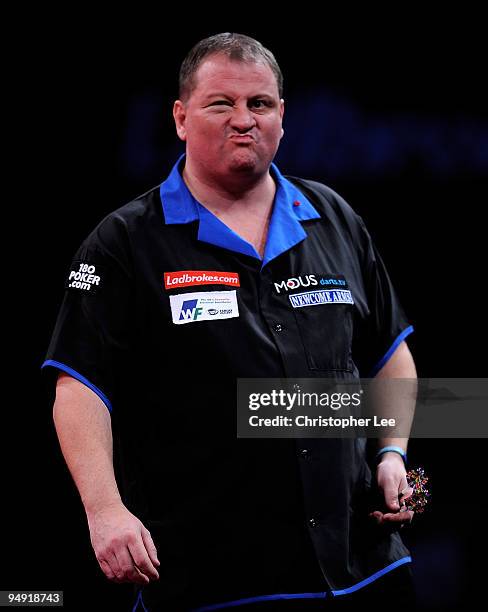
(170,300)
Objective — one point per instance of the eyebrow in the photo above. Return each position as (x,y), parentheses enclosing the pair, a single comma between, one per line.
(229,97)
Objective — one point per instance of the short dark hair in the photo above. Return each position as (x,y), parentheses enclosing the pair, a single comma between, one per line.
(238,47)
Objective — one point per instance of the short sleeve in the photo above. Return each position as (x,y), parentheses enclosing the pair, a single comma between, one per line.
(92,335)
(385,325)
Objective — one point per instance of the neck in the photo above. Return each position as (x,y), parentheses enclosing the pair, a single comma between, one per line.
(241,191)
(245,207)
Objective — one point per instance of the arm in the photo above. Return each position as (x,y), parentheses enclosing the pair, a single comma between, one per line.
(391,473)
(122,545)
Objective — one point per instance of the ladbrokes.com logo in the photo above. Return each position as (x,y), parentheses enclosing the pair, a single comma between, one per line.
(187,278)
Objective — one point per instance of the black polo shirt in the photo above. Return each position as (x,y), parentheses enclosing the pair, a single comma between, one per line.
(164,308)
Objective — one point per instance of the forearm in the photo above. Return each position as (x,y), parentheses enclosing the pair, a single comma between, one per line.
(84,431)
(403,393)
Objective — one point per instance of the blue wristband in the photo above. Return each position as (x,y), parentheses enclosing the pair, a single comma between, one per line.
(393,449)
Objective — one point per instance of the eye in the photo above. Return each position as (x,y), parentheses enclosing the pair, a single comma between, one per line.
(258,103)
(221,103)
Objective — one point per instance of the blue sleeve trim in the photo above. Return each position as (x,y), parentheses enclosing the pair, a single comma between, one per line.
(406,332)
(82,379)
(323,595)
(374,577)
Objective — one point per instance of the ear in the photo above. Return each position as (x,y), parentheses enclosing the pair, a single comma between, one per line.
(179,115)
(282,112)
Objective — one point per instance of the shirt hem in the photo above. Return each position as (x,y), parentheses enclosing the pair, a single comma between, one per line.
(321,595)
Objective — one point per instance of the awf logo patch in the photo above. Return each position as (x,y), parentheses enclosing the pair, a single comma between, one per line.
(190,311)
(187,278)
(85,277)
(204,306)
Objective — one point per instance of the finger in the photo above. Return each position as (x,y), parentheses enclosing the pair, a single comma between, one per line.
(377,516)
(141,559)
(150,547)
(404,504)
(390,492)
(394,520)
(398,517)
(406,493)
(112,562)
(130,571)
(107,570)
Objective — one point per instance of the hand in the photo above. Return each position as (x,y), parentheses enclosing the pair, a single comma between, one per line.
(123,546)
(391,478)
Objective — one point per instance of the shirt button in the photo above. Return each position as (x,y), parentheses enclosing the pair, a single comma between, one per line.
(312,522)
(304,453)
(278,327)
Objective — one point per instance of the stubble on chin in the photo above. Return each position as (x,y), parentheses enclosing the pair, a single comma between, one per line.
(242,161)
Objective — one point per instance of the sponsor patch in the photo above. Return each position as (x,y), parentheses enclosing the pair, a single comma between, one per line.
(328,281)
(84,277)
(321,296)
(187,278)
(204,306)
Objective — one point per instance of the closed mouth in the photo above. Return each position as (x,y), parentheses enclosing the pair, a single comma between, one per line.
(241,137)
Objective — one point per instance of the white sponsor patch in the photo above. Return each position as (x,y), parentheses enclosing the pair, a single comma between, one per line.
(84,276)
(204,306)
(324,296)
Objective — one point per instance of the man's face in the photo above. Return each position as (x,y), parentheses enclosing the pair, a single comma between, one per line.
(231,122)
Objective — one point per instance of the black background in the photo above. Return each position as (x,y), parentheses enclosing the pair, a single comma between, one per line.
(78,86)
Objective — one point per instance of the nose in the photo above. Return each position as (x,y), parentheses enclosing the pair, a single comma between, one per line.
(242,119)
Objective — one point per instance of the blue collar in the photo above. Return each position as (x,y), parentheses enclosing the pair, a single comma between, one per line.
(285,229)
